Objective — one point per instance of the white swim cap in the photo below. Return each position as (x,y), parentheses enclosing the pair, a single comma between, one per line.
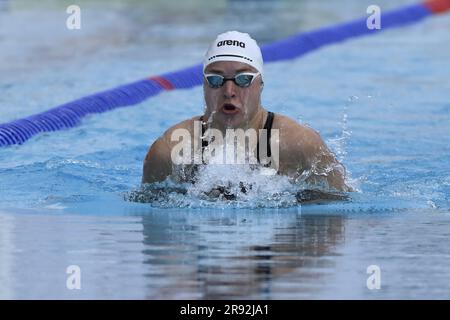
(235,46)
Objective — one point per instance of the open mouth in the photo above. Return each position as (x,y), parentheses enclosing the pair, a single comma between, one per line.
(229,108)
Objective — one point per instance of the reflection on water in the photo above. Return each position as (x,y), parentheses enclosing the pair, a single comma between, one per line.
(223,256)
(170,255)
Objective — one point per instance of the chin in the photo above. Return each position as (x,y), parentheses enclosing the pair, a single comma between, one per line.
(231,121)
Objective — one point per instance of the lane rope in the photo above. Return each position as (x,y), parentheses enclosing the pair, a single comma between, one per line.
(70,114)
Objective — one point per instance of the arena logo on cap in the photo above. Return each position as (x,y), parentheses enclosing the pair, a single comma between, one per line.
(231,43)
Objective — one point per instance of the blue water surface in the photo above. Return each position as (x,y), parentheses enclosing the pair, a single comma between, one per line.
(380,102)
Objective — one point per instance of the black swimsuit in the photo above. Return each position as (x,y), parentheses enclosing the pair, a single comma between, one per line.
(267,126)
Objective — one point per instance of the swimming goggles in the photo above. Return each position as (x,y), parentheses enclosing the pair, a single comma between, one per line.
(242,79)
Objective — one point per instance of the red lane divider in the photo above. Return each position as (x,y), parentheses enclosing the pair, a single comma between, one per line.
(438,6)
(166,84)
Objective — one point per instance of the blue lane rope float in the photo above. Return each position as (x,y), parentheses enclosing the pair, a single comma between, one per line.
(69,115)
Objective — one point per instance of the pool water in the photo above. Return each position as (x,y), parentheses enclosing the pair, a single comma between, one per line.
(380,102)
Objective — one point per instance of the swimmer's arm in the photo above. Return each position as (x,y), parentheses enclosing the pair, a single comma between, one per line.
(157,163)
(306,156)
(323,165)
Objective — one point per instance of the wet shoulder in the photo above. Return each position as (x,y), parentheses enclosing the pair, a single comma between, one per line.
(183,125)
(293,133)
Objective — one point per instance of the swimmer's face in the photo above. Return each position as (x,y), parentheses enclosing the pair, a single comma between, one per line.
(232,106)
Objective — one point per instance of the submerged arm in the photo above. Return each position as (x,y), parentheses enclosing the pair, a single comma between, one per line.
(308,159)
(157,163)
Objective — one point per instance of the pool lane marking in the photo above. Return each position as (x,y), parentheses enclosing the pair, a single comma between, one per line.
(163,82)
(438,6)
(70,114)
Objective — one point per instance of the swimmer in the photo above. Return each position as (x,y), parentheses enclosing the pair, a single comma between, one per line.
(233,83)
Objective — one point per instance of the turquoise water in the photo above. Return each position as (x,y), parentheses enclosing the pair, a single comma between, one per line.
(380,102)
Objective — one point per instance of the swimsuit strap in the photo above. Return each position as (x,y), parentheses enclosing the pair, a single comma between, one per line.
(267,126)
(204,141)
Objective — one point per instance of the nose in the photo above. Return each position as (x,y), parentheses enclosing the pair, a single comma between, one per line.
(229,89)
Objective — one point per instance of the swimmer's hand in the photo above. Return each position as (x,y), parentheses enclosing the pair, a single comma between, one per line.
(310,196)
(225,192)
(220,191)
